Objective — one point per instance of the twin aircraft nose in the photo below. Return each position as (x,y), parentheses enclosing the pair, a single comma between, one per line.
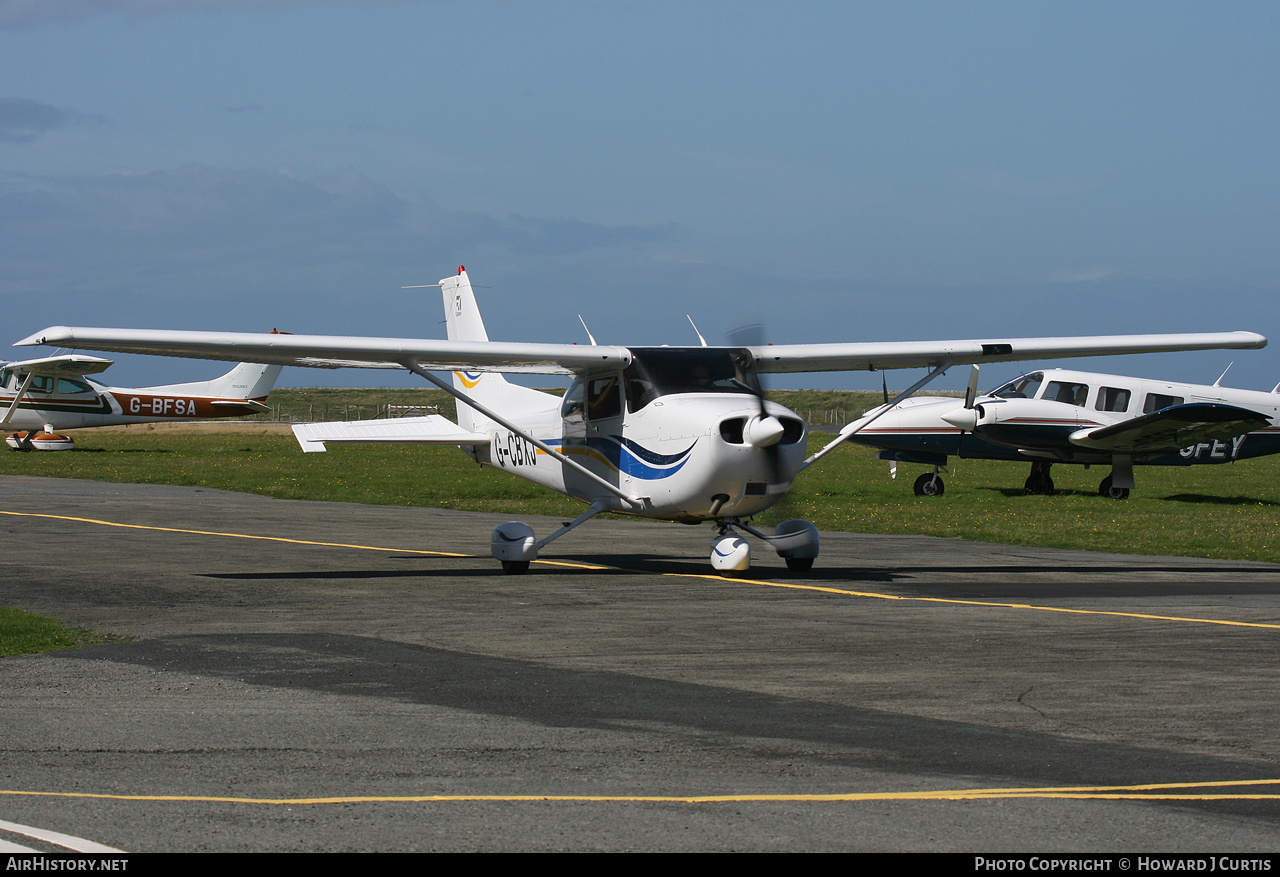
(965,419)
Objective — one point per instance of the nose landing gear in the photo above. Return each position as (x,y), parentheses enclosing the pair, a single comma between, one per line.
(795,541)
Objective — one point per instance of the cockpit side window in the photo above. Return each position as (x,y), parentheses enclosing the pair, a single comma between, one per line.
(604,397)
(1112,399)
(1158,402)
(67,385)
(1024,387)
(574,405)
(5,375)
(1065,391)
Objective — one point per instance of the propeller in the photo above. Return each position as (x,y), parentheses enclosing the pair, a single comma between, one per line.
(967,418)
(763,431)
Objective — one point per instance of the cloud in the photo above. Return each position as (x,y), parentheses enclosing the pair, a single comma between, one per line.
(1028,187)
(222,248)
(22,120)
(187,238)
(32,13)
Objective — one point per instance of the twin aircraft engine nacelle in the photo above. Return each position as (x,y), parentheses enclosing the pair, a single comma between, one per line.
(965,419)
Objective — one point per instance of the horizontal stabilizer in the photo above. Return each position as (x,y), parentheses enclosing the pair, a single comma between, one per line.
(1173,428)
(242,403)
(432,429)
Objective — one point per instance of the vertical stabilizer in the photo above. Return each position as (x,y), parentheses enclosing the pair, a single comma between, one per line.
(460,311)
(462,317)
(248,380)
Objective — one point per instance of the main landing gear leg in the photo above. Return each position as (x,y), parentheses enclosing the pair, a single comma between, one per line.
(1038,482)
(513,543)
(1118,484)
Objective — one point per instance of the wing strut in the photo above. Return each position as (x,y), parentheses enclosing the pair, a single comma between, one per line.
(863,422)
(22,391)
(538,443)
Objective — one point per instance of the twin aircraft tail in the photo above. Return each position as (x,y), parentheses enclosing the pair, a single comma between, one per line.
(462,318)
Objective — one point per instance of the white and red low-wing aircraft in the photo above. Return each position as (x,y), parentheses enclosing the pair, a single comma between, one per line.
(672,433)
(1061,416)
(56,393)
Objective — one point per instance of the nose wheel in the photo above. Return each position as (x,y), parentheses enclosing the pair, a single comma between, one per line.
(730,553)
(795,541)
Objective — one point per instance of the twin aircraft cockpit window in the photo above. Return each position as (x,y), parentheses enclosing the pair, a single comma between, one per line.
(655,372)
(1113,399)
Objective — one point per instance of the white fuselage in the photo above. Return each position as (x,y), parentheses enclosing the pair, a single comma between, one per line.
(685,455)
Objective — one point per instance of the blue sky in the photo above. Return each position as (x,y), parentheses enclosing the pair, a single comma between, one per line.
(841,171)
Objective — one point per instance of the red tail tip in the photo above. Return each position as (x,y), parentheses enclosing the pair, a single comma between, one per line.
(462,268)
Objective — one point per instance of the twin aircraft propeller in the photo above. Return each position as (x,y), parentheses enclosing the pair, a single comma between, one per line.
(670,433)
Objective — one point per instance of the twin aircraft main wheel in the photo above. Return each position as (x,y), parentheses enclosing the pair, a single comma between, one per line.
(1106,489)
(1039,485)
(929,484)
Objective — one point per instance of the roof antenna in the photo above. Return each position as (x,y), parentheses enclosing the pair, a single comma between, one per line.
(1224,373)
(695,330)
(590,337)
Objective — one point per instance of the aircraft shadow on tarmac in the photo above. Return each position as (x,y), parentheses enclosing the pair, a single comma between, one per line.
(1016,492)
(1099,581)
(732,721)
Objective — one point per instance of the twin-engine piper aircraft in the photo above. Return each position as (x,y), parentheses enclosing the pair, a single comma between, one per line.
(673,433)
(56,393)
(1061,416)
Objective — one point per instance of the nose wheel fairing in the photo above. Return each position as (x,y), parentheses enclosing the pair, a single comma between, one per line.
(796,542)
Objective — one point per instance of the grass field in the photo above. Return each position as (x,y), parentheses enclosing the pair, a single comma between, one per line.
(1225,511)
(25,633)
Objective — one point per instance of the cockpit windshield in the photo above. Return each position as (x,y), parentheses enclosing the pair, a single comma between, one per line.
(661,371)
(1024,387)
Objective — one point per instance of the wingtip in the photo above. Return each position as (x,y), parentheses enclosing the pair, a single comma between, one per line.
(52,335)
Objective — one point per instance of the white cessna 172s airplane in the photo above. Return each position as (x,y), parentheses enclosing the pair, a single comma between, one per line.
(673,433)
(56,393)
(1061,416)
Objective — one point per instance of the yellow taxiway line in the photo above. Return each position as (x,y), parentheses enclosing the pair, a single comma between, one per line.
(794,586)
(1142,792)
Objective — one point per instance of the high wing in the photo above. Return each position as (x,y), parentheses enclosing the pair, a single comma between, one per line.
(335,351)
(432,429)
(931,354)
(1168,430)
(327,351)
(69,366)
